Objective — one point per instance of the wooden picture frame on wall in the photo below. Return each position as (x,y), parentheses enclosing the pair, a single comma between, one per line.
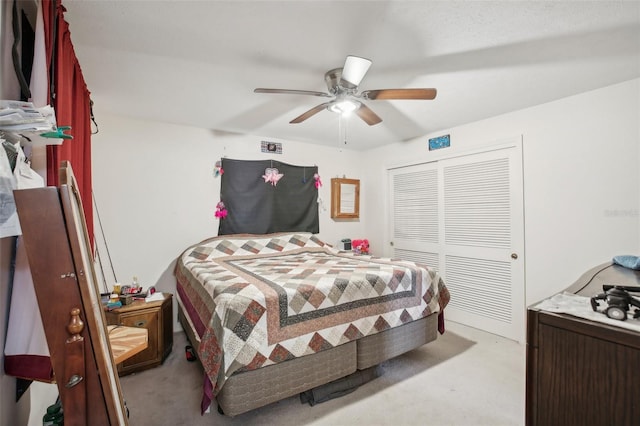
(345,198)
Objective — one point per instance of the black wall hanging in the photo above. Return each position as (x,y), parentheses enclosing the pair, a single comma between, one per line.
(258,206)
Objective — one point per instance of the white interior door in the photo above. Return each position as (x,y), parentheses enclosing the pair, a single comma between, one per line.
(464,217)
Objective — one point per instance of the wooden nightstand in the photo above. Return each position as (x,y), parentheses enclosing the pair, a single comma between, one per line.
(156,318)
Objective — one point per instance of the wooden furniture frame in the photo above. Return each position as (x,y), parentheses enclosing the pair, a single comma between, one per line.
(57,244)
(582,372)
(345,198)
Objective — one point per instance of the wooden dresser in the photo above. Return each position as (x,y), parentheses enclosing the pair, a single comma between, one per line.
(156,318)
(582,372)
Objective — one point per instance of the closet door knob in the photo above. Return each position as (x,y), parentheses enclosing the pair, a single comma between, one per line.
(514,255)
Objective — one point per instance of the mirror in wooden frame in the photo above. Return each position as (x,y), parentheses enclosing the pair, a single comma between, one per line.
(345,198)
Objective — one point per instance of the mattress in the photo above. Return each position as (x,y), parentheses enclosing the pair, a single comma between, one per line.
(256,301)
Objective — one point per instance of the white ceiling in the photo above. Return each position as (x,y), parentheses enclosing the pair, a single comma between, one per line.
(197,63)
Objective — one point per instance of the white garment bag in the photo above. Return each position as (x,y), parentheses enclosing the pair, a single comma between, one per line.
(26,351)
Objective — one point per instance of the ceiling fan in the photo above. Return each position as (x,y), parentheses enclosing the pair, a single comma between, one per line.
(342,84)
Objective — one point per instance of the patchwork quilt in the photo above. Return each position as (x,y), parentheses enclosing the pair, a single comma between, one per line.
(256,300)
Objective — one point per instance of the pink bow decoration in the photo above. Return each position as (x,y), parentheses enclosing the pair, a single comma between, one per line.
(221,211)
(318,182)
(272,176)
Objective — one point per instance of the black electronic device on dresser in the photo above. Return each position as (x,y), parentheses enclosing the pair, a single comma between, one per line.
(582,372)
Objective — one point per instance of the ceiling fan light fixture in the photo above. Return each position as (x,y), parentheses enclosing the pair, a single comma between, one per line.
(342,87)
(344,107)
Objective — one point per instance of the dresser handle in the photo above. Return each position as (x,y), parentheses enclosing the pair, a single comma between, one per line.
(141,324)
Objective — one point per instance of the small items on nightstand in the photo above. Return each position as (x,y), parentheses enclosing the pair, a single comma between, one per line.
(135,286)
(154,296)
(114,301)
(126,299)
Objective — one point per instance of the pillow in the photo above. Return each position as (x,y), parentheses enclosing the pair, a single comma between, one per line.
(631,262)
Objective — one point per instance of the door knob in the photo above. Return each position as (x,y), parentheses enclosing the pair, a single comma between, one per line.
(514,255)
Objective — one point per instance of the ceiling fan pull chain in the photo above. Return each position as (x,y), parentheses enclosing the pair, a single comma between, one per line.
(342,129)
(342,117)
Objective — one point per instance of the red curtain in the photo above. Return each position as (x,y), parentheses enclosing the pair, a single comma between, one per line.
(71,102)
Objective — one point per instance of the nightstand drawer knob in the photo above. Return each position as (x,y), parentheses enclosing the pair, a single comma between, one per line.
(140,324)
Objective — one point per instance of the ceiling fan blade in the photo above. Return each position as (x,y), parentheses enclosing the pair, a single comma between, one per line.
(424,94)
(292,92)
(369,117)
(354,70)
(313,111)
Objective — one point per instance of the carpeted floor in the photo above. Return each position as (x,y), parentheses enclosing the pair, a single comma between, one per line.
(467,378)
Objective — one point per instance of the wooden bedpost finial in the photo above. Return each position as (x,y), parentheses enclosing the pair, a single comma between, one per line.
(75,326)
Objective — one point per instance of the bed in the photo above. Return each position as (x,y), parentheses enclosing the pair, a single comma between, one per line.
(272,316)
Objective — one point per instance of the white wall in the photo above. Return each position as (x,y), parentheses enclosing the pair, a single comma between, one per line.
(581,198)
(156,192)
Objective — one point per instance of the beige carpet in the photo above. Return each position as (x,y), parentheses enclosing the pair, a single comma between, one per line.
(467,378)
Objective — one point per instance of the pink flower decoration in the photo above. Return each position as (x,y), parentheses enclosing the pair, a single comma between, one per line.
(218,169)
(221,211)
(318,182)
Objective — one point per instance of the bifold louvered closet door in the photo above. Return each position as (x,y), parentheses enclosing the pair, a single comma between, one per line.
(464,217)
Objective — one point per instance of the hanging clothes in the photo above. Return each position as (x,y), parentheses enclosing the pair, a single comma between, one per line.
(9,224)
(39,83)
(26,351)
